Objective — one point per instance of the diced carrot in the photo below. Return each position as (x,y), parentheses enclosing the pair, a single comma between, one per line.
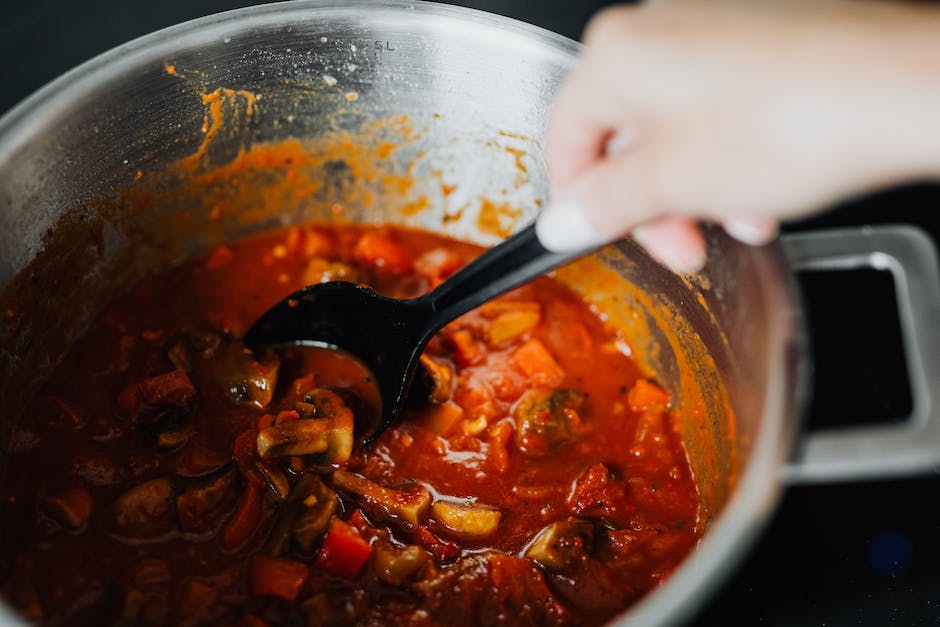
(382,252)
(441,419)
(467,350)
(537,363)
(244,520)
(277,577)
(344,551)
(645,394)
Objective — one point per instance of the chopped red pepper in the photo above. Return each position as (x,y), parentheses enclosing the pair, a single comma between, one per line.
(344,551)
(439,548)
(244,520)
(245,454)
(277,577)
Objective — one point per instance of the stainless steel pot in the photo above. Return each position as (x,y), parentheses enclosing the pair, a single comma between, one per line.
(475,89)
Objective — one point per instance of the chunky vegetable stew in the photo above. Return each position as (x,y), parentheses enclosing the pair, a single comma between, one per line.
(168,475)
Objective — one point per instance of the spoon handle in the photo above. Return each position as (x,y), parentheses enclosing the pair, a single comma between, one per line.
(515,261)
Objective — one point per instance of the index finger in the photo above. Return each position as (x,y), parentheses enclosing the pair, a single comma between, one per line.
(577,130)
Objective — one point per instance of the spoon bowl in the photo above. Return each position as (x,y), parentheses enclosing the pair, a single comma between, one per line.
(388,335)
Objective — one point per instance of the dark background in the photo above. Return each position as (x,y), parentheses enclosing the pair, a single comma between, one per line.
(863,554)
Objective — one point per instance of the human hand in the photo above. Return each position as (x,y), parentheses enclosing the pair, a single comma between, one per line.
(738,112)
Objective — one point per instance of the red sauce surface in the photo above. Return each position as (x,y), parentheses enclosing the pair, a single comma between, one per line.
(536,480)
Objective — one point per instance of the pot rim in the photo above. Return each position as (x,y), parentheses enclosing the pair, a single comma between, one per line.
(754,500)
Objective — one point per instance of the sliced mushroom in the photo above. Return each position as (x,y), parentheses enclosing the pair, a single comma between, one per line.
(437,378)
(321,403)
(407,504)
(545,419)
(248,379)
(397,565)
(299,516)
(465,520)
(294,437)
(275,479)
(71,508)
(330,406)
(318,507)
(203,505)
(325,429)
(562,544)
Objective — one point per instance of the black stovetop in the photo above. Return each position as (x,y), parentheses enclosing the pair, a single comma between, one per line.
(865,554)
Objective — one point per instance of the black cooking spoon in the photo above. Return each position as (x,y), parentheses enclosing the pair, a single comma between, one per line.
(387,334)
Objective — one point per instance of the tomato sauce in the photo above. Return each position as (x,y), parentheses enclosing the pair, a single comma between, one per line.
(167,475)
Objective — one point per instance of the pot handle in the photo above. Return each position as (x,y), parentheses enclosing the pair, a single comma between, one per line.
(913,445)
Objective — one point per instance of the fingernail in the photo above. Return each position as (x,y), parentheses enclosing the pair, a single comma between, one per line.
(563,227)
(669,252)
(753,231)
